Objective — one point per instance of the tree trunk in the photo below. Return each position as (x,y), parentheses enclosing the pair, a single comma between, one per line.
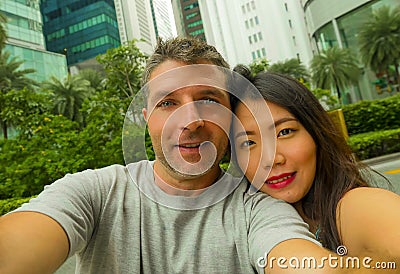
(5,135)
(338,93)
(396,68)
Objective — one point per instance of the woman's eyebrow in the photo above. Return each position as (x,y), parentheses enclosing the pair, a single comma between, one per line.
(248,132)
(283,120)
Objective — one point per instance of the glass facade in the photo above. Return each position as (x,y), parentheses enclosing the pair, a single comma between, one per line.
(26,41)
(45,63)
(347,28)
(80,29)
(24,21)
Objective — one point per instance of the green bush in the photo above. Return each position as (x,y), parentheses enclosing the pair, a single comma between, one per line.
(11,204)
(366,116)
(373,144)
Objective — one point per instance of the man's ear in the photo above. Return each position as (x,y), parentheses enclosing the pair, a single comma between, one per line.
(144,111)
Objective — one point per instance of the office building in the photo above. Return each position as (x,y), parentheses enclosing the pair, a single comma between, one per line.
(80,29)
(188,18)
(164,23)
(26,42)
(336,23)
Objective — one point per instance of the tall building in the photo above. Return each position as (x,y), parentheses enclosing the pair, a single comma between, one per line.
(164,23)
(80,29)
(252,29)
(188,18)
(135,21)
(337,23)
(26,42)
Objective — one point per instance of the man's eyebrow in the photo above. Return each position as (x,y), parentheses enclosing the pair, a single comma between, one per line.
(214,92)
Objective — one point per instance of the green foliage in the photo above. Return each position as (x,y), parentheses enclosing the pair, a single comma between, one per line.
(324,96)
(259,65)
(46,153)
(379,39)
(68,96)
(11,204)
(3,32)
(373,144)
(19,105)
(123,67)
(292,67)
(335,68)
(367,116)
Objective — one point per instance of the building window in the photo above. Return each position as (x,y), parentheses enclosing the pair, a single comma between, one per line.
(298,56)
(256,20)
(243,9)
(191,15)
(286,7)
(250,41)
(290,24)
(195,24)
(259,36)
(253,54)
(264,53)
(247,24)
(191,6)
(294,40)
(248,6)
(255,38)
(251,22)
(253,5)
(258,53)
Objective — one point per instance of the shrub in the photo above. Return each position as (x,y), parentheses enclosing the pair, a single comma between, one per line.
(11,204)
(373,144)
(366,116)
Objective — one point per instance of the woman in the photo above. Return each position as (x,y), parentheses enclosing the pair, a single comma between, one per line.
(315,170)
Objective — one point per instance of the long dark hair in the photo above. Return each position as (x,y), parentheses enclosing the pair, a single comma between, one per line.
(337,170)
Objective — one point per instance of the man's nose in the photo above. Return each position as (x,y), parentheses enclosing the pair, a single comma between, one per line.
(191,117)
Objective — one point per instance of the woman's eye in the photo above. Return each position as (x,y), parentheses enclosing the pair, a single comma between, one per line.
(247,143)
(285,132)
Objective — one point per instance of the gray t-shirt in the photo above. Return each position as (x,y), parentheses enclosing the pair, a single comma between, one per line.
(113,227)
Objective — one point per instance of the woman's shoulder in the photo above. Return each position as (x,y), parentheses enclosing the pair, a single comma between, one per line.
(365,195)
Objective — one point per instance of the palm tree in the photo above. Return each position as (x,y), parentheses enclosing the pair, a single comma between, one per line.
(68,95)
(12,78)
(292,67)
(95,78)
(335,68)
(379,40)
(3,33)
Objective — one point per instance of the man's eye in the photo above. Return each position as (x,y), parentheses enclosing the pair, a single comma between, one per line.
(285,132)
(165,104)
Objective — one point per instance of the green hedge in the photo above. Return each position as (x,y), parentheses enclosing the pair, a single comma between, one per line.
(11,204)
(377,143)
(367,116)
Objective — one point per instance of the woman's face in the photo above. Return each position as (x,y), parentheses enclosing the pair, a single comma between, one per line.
(292,172)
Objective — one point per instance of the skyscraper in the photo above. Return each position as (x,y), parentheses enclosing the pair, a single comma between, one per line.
(26,41)
(164,23)
(188,18)
(135,21)
(80,29)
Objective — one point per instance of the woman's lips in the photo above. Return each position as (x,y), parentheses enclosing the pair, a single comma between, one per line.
(280,181)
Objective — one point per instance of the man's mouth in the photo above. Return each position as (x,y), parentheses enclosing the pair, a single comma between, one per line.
(195,145)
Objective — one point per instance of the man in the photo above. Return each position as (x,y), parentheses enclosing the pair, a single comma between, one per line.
(164,216)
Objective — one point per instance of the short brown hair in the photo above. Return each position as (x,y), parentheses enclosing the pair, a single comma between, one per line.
(186,49)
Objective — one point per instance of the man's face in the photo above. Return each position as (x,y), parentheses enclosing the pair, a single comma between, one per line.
(188,123)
